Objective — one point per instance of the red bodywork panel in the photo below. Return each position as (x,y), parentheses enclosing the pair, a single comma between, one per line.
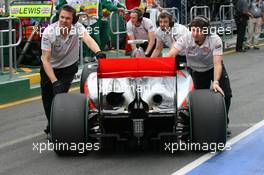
(136,67)
(86,92)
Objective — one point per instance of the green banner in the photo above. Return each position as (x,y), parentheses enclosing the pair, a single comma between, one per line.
(44,10)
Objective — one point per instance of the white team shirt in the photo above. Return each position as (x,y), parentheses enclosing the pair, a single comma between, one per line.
(200,58)
(141,32)
(169,37)
(64,51)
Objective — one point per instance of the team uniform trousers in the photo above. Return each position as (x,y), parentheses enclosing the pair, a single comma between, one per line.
(64,75)
(202,80)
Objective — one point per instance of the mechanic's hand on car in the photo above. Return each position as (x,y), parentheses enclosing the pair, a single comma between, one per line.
(147,54)
(58,87)
(217,88)
(100,55)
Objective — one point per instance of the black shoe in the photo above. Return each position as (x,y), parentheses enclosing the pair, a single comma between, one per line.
(241,50)
(47,130)
(246,48)
(48,137)
(256,48)
(228,132)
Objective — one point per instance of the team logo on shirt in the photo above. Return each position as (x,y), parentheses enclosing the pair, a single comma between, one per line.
(191,51)
(206,50)
(45,39)
(218,46)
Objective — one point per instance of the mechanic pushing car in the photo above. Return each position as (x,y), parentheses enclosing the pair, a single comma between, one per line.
(204,52)
(167,33)
(139,27)
(60,54)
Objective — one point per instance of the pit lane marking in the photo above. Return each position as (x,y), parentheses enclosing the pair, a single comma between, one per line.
(28,100)
(12,142)
(187,168)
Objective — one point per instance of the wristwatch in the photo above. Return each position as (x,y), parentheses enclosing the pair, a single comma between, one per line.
(147,54)
(216,82)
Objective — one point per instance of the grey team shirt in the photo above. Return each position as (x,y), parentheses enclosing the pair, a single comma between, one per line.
(64,52)
(141,32)
(200,58)
(169,37)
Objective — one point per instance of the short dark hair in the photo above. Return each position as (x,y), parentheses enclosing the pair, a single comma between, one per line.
(165,15)
(138,11)
(201,22)
(68,8)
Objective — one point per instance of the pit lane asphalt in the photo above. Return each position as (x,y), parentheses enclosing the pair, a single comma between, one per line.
(22,125)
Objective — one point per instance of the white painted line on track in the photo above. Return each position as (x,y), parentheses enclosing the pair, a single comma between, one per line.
(28,100)
(20,140)
(187,168)
(246,133)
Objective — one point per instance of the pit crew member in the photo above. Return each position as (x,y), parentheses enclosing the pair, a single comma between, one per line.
(204,52)
(60,55)
(139,27)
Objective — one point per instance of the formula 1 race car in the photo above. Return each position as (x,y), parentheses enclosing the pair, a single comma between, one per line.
(137,100)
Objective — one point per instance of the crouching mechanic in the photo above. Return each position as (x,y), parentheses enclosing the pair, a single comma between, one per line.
(204,58)
(139,27)
(60,54)
(167,34)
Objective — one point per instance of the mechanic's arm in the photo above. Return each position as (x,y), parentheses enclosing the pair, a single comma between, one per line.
(173,52)
(132,37)
(46,55)
(90,42)
(151,42)
(158,49)
(217,73)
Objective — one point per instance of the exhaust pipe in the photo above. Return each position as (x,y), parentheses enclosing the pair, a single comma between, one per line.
(115,98)
(157,99)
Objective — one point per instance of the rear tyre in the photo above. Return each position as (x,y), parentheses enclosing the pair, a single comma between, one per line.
(87,70)
(208,120)
(68,116)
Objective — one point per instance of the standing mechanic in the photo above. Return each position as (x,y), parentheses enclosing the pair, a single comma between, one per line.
(204,58)
(241,17)
(60,54)
(167,33)
(254,24)
(139,27)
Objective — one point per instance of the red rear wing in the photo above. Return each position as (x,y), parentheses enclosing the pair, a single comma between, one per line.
(136,67)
